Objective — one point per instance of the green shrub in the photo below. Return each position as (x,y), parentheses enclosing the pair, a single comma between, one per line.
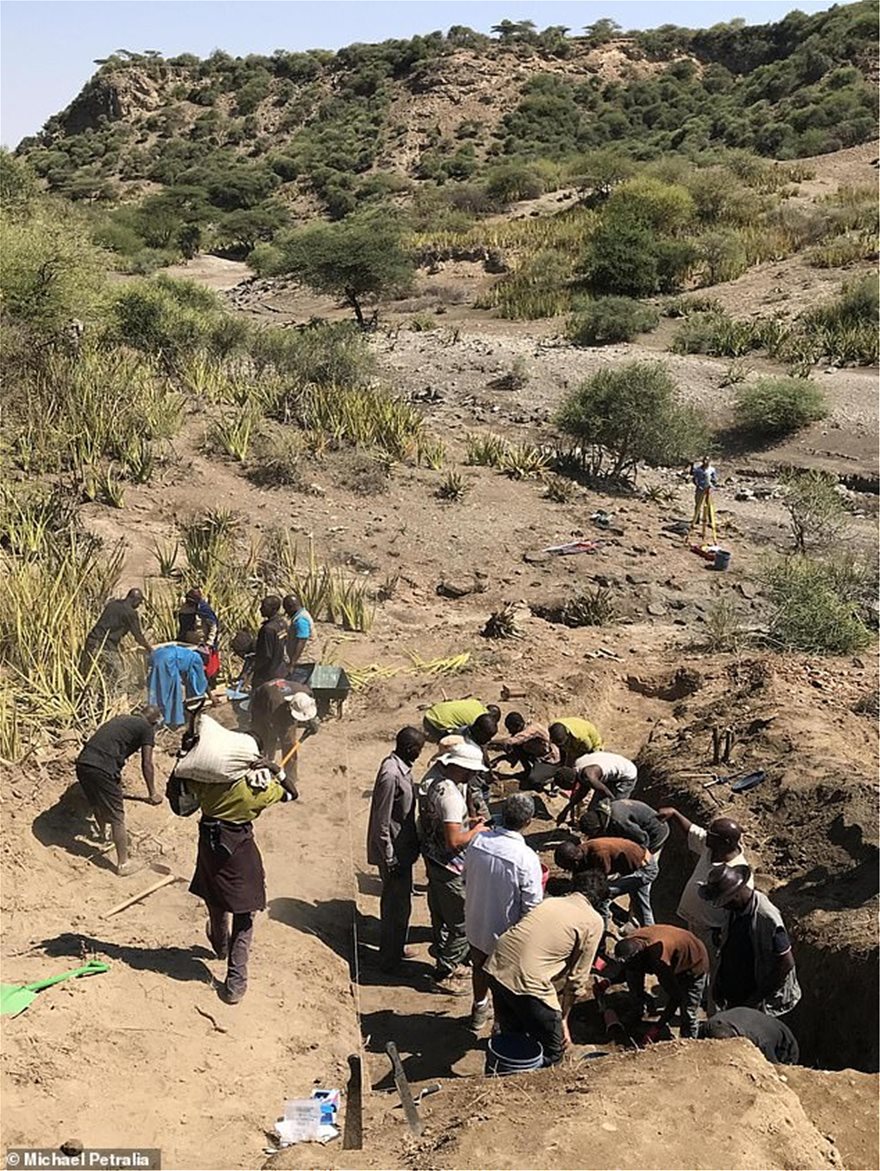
(323,353)
(718,335)
(610,319)
(51,272)
(631,413)
(858,303)
(812,609)
(277,460)
(815,508)
(620,259)
(693,303)
(664,208)
(772,408)
(723,256)
(174,318)
(485,451)
(841,251)
(846,328)
(453,488)
(511,182)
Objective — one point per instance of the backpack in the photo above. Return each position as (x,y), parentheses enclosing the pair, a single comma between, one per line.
(181,800)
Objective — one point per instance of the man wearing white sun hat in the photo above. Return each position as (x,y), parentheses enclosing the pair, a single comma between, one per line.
(447,829)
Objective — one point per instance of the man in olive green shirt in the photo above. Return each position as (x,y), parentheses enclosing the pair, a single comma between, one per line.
(229,872)
(574,737)
(541,966)
(454,715)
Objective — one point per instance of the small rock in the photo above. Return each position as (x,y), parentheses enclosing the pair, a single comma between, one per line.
(656,609)
(536,557)
(72,1147)
(748,589)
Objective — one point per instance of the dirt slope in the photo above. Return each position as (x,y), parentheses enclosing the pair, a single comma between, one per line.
(682,1105)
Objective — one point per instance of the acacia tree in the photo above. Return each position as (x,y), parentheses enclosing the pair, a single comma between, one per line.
(359,258)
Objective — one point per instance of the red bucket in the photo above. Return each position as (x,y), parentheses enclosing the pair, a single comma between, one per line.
(545,874)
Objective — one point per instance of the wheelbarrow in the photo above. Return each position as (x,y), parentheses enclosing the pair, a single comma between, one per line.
(330,685)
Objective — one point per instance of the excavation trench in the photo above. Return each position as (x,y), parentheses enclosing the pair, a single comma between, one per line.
(834,936)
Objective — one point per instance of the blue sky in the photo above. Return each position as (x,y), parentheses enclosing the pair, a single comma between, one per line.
(47,47)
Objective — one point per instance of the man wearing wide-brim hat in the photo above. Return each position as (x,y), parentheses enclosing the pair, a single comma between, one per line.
(756,967)
(447,829)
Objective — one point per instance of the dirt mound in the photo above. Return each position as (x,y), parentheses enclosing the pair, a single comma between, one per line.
(844,1107)
(681,1105)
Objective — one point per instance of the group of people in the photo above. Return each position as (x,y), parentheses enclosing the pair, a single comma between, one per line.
(189,666)
(229,874)
(526,958)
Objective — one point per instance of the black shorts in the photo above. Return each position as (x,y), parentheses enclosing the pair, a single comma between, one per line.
(103,792)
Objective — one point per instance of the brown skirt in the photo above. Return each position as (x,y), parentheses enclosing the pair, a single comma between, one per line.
(229,870)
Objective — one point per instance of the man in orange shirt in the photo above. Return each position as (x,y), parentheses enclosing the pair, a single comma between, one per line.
(679,961)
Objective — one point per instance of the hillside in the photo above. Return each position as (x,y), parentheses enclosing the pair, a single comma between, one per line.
(344,128)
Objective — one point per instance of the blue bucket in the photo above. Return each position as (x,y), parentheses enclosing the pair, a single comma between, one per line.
(512,1053)
(722,559)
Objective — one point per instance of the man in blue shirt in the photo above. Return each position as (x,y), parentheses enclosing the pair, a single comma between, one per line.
(704,475)
(300,629)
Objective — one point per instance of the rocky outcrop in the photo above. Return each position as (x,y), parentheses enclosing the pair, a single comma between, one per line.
(110,97)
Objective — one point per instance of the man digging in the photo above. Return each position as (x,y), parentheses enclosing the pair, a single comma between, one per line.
(99,772)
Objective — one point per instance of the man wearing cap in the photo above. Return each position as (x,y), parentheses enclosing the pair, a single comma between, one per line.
(679,961)
(769,1034)
(282,712)
(637,822)
(447,829)
(393,843)
(502,882)
(756,966)
(541,967)
(118,618)
(721,842)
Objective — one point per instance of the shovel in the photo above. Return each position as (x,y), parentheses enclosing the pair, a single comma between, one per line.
(15,998)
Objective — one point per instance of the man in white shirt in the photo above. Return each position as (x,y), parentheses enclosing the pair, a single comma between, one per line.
(721,842)
(502,882)
(447,829)
(609,774)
